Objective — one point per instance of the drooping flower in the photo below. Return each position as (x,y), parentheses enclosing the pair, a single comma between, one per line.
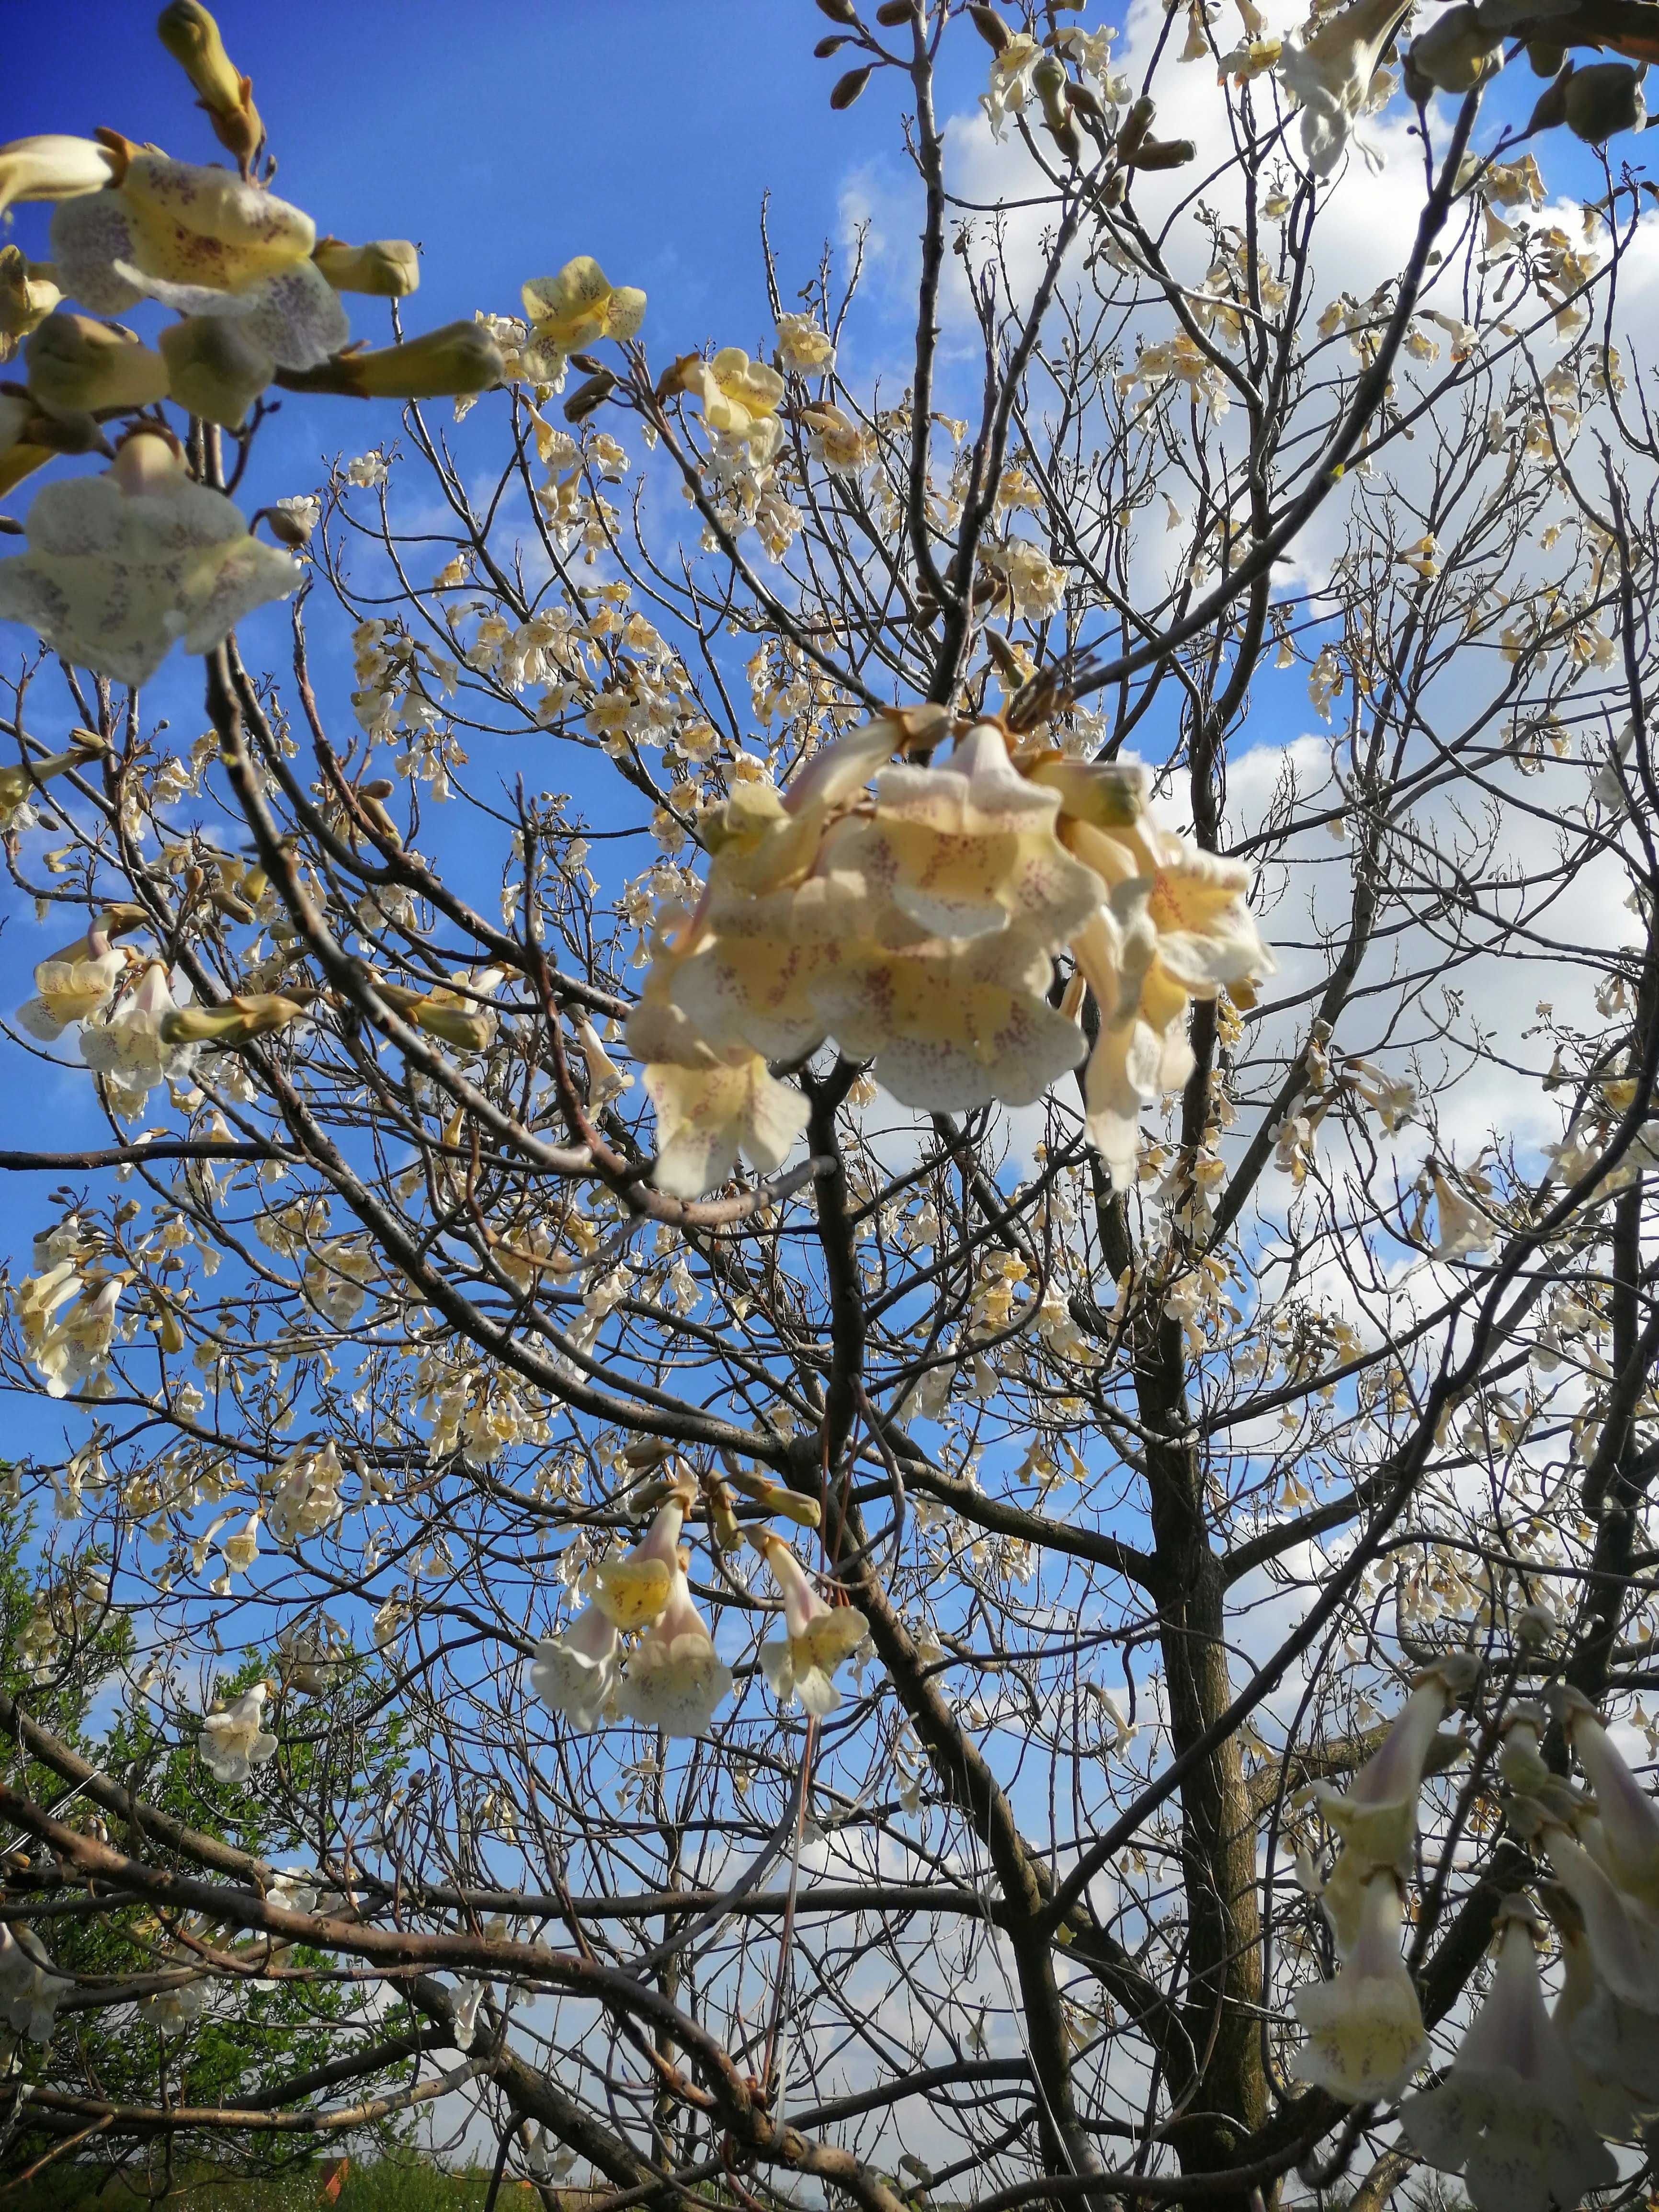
(203,242)
(672,1679)
(805,347)
(1366,2033)
(306,1498)
(1629,1818)
(1012,69)
(633,1591)
(575,1673)
(834,439)
(30,1992)
(574,309)
(122,1043)
(1329,68)
(172,2011)
(69,1344)
(122,565)
(818,1637)
(234,1742)
(1376,1817)
(1613,2046)
(1508,2115)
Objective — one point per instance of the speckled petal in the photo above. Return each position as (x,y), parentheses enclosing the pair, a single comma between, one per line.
(89,236)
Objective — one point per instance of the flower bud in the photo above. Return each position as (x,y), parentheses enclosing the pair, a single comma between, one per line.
(191,37)
(589,395)
(892,13)
(1162,153)
(26,300)
(1106,794)
(775,1499)
(75,362)
(53,167)
(291,521)
(1136,123)
(456,358)
(847,88)
(1545,57)
(236,1023)
(1455,54)
(386,268)
(839,11)
(1605,98)
(989,24)
(1552,108)
(216,369)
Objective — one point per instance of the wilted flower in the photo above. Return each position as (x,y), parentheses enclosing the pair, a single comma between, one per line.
(1329,68)
(804,347)
(816,1638)
(575,1673)
(201,240)
(1366,2033)
(124,1043)
(574,309)
(234,1742)
(121,565)
(672,1679)
(1508,2115)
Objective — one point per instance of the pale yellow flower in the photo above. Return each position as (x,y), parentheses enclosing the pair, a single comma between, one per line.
(54,167)
(805,347)
(1328,69)
(672,1679)
(122,565)
(631,1592)
(234,1742)
(1366,2034)
(740,399)
(123,1044)
(577,307)
(816,1638)
(1011,70)
(72,983)
(27,296)
(202,240)
(575,1673)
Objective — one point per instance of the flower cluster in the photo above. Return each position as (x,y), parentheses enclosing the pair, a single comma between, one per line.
(640,1649)
(920,928)
(1523,2110)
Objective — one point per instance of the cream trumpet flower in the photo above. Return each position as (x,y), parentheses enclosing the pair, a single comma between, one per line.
(818,1637)
(72,984)
(1012,69)
(575,1673)
(672,1679)
(1376,1817)
(605,1080)
(234,1742)
(172,2011)
(1508,2115)
(73,1350)
(1366,2033)
(20,784)
(76,364)
(632,1592)
(1141,1053)
(1622,1932)
(54,167)
(1613,2047)
(970,848)
(834,439)
(122,565)
(574,309)
(1629,1818)
(711,1101)
(1328,68)
(740,399)
(201,240)
(308,1497)
(30,1992)
(122,1043)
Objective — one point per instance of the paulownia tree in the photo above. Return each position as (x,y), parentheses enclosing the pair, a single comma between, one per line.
(864,1356)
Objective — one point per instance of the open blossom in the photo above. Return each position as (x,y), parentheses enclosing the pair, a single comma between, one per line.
(740,399)
(672,1679)
(817,1636)
(234,1742)
(1508,2115)
(203,241)
(307,1499)
(1037,586)
(574,309)
(1012,69)
(1330,69)
(1366,2033)
(805,347)
(575,1673)
(72,984)
(337,1278)
(632,1591)
(172,2011)
(124,1043)
(834,439)
(121,565)
(1614,2045)
(70,1343)
(30,1992)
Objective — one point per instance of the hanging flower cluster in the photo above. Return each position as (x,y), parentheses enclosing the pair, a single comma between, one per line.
(640,1649)
(919,929)
(1527,2106)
